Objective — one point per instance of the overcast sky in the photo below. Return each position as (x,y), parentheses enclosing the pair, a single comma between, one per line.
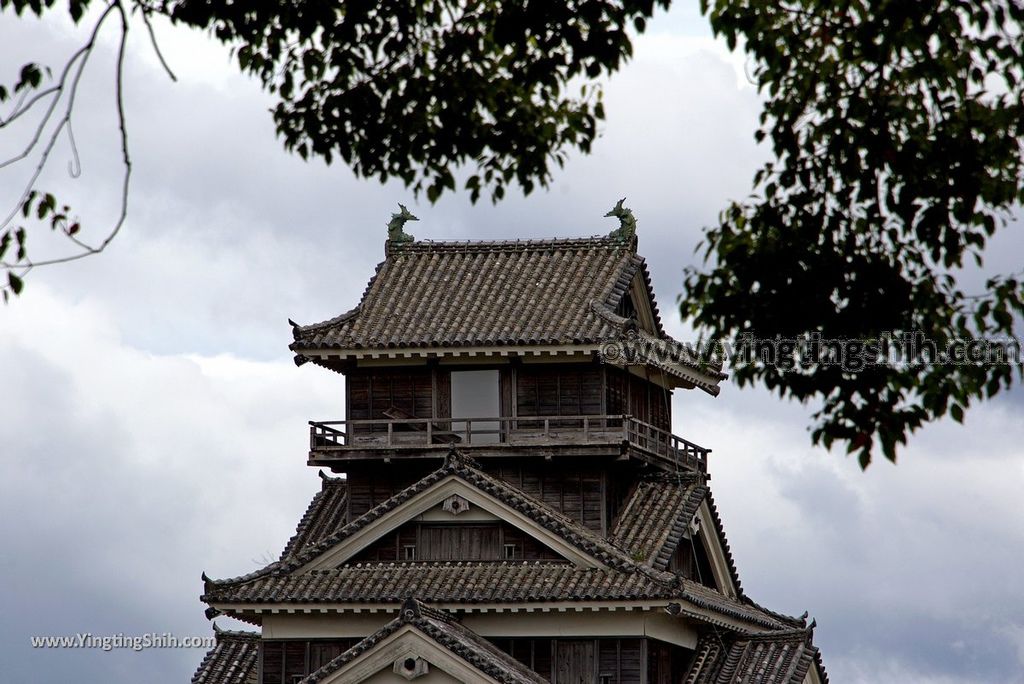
(154,426)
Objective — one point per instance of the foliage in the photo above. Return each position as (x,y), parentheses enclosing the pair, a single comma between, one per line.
(415,89)
(897,129)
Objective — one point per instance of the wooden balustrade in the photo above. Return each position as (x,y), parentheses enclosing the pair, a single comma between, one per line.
(526,431)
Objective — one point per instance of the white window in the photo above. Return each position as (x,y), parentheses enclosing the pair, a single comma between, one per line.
(475,394)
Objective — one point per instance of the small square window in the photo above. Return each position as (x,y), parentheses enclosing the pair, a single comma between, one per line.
(605,678)
(511,551)
(409,552)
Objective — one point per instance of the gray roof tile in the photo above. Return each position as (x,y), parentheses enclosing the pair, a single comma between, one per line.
(232,660)
(620,577)
(779,657)
(445,582)
(465,468)
(655,516)
(441,628)
(324,516)
(451,294)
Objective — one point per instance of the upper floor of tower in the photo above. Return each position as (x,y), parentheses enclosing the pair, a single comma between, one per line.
(497,344)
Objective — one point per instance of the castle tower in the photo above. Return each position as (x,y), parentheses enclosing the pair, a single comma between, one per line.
(506,499)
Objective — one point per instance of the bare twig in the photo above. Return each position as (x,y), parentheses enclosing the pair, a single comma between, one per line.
(74,167)
(156,46)
(23,106)
(75,163)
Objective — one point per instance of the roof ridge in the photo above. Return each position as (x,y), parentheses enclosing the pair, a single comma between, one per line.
(522,244)
(725,607)
(798,622)
(414,609)
(802,633)
(235,634)
(327,480)
(673,477)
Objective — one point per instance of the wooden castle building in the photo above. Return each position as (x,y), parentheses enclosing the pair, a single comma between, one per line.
(507,502)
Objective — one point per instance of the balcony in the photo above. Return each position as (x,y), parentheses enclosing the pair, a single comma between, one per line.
(332,442)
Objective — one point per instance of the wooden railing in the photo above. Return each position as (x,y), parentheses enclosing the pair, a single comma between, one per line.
(406,433)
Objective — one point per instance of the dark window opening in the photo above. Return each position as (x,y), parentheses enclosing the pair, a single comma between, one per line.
(702,564)
(626,309)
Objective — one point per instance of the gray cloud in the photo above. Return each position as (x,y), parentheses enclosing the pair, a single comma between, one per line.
(156,424)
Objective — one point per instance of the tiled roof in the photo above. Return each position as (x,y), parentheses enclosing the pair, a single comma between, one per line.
(324,516)
(446,633)
(457,464)
(453,294)
(445,582)
(653,521)
(483,582)
(697,595)
(781,657)
(620,578)
(655,516)
(232,660)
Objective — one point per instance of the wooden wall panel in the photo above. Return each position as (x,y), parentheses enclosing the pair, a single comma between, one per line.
(455,541)
(574,489)
(372,392)
(575,661)
(459,542)
(287,661)
(666,663)
(580,660)
(630,661)
(372,483)
(443,394)
(626,393)
(558,391)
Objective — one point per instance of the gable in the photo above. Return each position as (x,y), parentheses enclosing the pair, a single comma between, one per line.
(424,645)
(640,300)
(657,514)
(432,497)
(712,542)
(406,655)
(669,521)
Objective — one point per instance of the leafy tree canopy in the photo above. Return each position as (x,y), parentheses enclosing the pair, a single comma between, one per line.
(898,135)
(896,127)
